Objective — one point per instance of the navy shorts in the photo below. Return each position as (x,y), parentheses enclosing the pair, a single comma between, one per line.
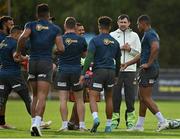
(40,70)
(148,77)
(15,83)
(67,81)
(103,79)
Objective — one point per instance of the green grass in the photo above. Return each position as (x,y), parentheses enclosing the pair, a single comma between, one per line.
(16,115)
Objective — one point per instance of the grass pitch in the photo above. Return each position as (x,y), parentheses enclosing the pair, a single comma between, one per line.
(16,115)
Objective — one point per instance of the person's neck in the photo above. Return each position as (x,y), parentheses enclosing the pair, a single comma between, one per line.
(70,31)
(104,31)
(147,28)
(4,31)
(43,18)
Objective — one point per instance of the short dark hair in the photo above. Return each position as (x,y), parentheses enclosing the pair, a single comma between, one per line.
(144,18)
(104,22)
(78,24)
(42,10)
(122,16)
(3,20)
(15,29)
(70,22)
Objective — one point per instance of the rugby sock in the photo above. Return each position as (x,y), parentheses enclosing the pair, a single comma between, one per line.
(65,124)
(32,120)
(160,117)
(108,122)
(95,115)
(37,121)
(2,120)
(81,124)
(140,121)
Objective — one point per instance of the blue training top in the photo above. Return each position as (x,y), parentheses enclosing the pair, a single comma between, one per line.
(106,50)
(69,61)
(9,67)
(149,36)
(42,39)
(2,37)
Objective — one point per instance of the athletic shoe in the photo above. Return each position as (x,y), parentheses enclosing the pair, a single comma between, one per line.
(72,126)
(162,126)
(32,132)
(45,125)
(131,119)
(108,129)
(6,126)
(62,129)
(129,126)
(95,125)
(115,120)
(136,128)
(36,130)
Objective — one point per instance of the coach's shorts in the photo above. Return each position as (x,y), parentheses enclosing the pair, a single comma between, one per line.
(40,71)
(148,77)
(67,81)
(8,84)
(103,78)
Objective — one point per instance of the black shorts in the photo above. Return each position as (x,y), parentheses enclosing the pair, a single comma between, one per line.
(148,77)
(15,83)
(103,78)
(67,81)
(40,70)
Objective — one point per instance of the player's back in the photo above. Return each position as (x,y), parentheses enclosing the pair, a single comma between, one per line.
(42,38)
(75,45)
(9,66)
(106,50)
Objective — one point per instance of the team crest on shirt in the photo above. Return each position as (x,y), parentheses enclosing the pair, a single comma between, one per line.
(70,41)
(107,41)
(40,27)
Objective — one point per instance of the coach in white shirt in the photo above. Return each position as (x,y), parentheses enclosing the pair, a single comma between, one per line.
(130,47)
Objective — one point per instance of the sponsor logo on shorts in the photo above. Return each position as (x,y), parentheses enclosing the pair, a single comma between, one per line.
(97,85)
(31,76)
(62,84)
(76,84)
(2,87)
(111,85)
(151,81)
(15,86)
(42,75)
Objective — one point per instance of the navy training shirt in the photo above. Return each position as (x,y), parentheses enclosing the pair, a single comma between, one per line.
(2,37)
(106,49)
(9,67)
(69,61)
(42,39)
(149,36)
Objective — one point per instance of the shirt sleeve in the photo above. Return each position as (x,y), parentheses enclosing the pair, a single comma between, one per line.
(84,43)
(58,31)
(152,37)
(28,26)
(14,47)
(92,46)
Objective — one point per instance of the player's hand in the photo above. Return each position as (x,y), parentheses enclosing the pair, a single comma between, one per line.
(123,66)
(126,47)
(145,66)
(17,56)
(81,79)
